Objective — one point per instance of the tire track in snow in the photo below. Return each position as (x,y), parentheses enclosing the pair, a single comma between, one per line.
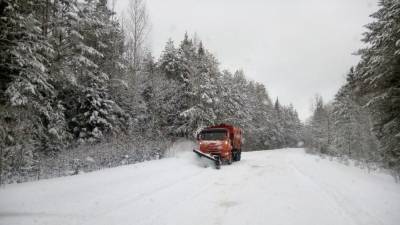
(122,203)
(231,186)
(180,202)
(334,198)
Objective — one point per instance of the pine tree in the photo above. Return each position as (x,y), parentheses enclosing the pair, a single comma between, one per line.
(202,111)
(230,107)
(379,80)
(179,65)
(352,136)
(320,126)
(34,122)
(291,126)
(24,58)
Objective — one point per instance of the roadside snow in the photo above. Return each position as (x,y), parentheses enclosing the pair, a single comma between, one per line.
(284,186)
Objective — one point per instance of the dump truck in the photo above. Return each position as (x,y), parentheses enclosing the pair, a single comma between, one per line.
(220,143)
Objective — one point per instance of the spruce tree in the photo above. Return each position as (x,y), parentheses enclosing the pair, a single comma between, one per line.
(379,80)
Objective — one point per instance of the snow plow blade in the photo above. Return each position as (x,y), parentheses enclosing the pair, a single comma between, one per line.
(208,156)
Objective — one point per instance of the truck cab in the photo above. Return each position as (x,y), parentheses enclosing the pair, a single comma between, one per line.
(222,142)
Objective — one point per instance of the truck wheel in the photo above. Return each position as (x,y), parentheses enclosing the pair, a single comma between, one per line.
(218,165)
(236,156)
(239,156)
(230,159)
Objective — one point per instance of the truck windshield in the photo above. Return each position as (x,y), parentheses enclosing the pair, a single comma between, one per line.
(213,135)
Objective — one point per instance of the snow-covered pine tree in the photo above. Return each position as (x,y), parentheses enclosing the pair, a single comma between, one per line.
(161,99)
(278,115)
(24,56)
(103,32)
(170,63)
(291,126)
(178,65)
(320,126)
(351,125)
(34,121)
(81,83)
(379,80)
(257,121)
(104,48)
(204,82)
(231,105)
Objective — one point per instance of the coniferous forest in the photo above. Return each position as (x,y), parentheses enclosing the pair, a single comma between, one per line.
(363,120)
(80,91)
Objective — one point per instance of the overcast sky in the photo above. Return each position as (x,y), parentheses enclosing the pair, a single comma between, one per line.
(297,48)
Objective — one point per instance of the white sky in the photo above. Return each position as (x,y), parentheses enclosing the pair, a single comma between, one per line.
(297,48)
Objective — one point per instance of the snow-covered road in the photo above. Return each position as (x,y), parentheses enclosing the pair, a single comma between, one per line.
(268,187)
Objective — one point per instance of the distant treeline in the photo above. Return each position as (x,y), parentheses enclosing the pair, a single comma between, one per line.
(363,121)
(79,91)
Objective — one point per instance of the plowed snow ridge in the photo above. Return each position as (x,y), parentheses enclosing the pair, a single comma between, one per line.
(284,186)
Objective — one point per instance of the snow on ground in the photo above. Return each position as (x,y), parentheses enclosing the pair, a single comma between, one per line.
(284,186)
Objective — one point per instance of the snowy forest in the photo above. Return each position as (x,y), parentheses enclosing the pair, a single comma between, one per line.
(363,120)
(80,91)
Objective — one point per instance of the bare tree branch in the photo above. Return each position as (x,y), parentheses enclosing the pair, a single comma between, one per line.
(137,27)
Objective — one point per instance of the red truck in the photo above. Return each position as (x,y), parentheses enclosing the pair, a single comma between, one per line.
(221,144)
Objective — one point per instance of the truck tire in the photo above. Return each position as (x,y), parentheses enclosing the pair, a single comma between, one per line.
(236,155)
(239,155)
(230,159)
(218,165)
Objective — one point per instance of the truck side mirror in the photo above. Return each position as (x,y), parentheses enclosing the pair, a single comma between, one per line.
(198,136)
